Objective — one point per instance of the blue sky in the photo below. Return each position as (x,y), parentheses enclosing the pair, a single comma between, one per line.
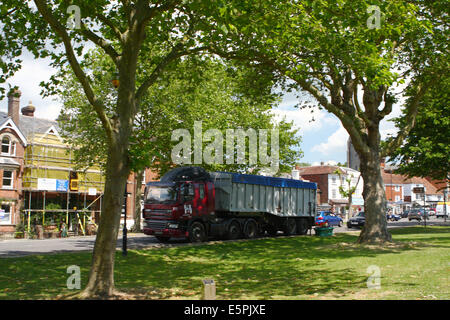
(323,139)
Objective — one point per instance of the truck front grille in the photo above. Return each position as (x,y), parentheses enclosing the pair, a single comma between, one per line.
(156,224)
(158,213)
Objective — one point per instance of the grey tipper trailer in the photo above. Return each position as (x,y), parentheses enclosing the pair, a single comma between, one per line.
(275,202)
(191,202)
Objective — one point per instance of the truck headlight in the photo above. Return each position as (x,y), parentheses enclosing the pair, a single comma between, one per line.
(172,226)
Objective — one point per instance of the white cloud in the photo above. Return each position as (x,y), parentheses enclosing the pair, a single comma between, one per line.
(305,119)
(325,163)
(334,144)
(34,71)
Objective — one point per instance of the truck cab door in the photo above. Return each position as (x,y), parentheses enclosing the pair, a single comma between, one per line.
(187,193)
(200,201)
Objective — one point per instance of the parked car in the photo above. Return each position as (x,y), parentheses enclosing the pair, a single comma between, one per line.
(405,214)
(327,218)
(417,214)
(357,221)
(392,217)
(440,214)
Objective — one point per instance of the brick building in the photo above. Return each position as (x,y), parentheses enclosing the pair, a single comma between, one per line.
(38,179)
(400,190)
(328,182)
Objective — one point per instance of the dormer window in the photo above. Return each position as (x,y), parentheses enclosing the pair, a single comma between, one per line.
(8,146)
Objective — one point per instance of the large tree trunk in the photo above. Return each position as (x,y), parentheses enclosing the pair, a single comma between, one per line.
(101,277)
(375,228)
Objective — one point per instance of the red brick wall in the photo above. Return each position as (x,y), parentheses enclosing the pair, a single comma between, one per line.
(322,184)
(13,195)
(131,188)
(391,193)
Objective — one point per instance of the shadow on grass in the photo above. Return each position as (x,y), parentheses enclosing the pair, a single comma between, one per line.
(260,269)
(264,268)
(420,230)
(40,276)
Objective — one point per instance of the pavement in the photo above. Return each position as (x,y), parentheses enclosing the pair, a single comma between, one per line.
(24,247)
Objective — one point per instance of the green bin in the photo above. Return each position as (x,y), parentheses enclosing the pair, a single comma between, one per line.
(324,231)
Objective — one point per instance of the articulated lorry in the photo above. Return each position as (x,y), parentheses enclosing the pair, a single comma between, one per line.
(191,202)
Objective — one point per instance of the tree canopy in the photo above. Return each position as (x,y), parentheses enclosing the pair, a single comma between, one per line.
(196,89)
(350,57)
(426,150)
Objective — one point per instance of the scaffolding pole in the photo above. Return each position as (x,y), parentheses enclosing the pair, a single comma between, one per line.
(43,213)
(44,158)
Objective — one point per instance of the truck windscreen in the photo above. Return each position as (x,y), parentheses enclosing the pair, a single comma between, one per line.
(161,194)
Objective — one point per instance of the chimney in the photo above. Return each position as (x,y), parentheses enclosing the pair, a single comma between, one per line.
(383,163)
(29,110)
(14,104)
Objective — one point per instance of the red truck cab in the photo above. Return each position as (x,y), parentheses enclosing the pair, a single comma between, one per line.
(170,208)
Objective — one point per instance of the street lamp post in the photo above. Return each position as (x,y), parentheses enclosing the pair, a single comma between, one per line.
(445,204)
(124,233)
(424,209)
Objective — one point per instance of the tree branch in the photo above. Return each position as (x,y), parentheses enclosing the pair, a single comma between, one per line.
(413,109)
(102,43)
(107,22)
(388,102)
(175,53)
(167,5)
(79,73)
(10,12)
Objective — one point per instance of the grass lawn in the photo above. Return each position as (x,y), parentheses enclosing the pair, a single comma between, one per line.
(416,266)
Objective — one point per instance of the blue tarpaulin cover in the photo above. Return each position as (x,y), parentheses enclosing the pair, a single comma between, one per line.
(272,181)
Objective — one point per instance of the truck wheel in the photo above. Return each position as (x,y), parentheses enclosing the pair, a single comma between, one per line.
(302,227)
(290,227)
(234,230)
(197,232)
(250,229)
(271,231)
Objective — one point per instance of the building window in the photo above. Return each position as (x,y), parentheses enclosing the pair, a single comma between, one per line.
(333,194)
(397,198)
(8,146)
(5,214)
(397,188)
(333,180)
(8,176)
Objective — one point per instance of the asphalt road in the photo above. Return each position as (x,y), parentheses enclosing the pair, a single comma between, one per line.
(22,247)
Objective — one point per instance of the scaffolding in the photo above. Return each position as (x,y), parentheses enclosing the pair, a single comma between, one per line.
(47,157)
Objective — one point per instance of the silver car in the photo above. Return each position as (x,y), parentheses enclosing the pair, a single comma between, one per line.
(417,214)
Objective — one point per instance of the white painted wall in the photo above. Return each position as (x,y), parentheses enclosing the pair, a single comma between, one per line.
(334,182)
